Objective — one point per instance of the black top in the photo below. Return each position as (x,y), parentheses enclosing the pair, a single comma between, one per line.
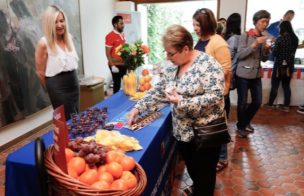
(201,45)
(284,49)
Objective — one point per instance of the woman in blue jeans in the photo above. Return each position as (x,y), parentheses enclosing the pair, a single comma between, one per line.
(252,48)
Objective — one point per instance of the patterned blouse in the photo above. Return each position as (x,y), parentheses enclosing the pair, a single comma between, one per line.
(284,49)
(202,91)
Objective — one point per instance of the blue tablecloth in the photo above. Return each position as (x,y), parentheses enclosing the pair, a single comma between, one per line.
(156,140)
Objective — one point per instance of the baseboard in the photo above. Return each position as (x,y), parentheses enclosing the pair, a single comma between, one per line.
(15,141)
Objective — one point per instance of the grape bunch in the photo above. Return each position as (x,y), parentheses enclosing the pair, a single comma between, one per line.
(94,154)
(87,122)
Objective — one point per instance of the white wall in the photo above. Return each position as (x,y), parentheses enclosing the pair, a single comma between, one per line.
(96,16)
(231,6)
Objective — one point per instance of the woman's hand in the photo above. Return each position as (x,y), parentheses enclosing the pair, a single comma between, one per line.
(173,96)
(132,116)
(258,41)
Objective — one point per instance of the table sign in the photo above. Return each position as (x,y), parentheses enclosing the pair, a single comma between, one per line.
(60,137)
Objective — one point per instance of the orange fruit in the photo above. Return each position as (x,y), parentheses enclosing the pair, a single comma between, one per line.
(78,164)
(129,178)
(72,173)
(115,169)
(141,81)
(147,86)
(119,185)
(113,156)
(69,154)
(101,185)
(127,163)
(142,88)
(88,177)
(147,78)
(102,168)
(105,176)
(145,72)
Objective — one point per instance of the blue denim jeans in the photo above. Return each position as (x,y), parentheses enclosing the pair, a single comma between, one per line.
(245,112)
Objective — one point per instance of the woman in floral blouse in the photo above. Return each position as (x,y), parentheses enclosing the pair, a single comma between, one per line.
(194,86)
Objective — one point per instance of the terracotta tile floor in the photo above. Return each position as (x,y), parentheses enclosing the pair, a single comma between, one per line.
(269,162)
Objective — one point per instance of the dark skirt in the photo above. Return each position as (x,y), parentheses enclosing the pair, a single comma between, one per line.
(63,89)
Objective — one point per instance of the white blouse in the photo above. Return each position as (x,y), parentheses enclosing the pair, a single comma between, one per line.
(63,61)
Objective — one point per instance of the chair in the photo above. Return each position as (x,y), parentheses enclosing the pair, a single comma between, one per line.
(40,169)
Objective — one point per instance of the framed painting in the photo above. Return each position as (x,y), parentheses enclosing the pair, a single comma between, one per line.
(21,93)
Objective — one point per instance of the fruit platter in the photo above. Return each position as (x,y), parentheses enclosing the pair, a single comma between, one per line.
(94,169)
(115,140)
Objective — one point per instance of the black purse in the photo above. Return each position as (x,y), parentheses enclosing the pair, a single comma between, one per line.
(213,134)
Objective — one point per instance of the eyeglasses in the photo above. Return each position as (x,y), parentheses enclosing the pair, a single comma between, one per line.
(169,54)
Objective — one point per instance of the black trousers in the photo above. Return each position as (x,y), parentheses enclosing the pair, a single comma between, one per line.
(63,89)
(275,83)
(201,166)
(117,77)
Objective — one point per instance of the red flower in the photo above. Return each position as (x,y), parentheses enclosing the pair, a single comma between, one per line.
(145,48)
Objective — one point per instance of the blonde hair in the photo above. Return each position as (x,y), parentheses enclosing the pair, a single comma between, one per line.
(49,28)
(178,37)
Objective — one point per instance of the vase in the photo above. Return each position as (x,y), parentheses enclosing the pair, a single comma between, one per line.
(130,83)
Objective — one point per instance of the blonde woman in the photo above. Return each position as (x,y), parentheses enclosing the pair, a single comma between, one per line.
(57,61)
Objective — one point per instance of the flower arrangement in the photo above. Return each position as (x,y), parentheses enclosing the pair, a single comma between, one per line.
(132,54)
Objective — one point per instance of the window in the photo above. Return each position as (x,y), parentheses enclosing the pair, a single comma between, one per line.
(157,17)
(277,13)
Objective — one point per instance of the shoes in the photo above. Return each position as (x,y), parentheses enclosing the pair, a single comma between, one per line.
(300,111)
(271,107)
(249,129)
(241,133)
(221,164)
(301,107)
(283,108)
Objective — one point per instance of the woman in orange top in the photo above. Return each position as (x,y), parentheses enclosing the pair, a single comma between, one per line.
(204,24)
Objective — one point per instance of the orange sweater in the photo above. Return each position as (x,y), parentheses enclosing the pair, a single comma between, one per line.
(219,49)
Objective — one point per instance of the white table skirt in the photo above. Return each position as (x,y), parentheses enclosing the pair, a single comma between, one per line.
(296,84)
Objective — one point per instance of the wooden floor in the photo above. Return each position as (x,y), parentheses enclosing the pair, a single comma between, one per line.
(269,162)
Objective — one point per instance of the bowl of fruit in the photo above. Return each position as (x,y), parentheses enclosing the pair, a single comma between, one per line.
(94,170)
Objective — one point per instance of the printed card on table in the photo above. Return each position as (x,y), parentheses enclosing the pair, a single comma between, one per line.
(61,138)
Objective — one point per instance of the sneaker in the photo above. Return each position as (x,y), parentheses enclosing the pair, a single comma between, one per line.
(241,133)
(249,128)
(300,111)
(284,108)
(270,107)
(301,107)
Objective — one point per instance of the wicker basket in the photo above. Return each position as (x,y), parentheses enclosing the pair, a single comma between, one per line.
(64,185)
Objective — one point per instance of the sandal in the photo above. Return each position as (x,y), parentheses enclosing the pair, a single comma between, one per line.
(188,191)
(221,165)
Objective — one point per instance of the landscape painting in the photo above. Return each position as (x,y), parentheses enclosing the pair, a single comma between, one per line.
(21,93)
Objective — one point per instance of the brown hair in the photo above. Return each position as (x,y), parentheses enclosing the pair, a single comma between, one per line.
(178,37)
(207,21)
